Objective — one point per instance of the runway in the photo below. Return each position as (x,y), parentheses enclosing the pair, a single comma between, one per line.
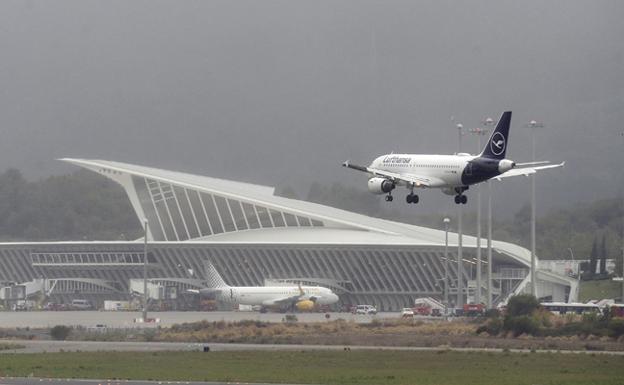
(71,381)
(41,346)
(121,319)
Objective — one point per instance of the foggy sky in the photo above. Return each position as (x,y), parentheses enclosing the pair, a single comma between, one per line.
(281,92)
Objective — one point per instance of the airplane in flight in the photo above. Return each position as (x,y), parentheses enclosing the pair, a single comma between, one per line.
(304,298)
(453,174)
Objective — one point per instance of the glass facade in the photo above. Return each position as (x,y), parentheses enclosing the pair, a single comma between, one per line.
(389,277)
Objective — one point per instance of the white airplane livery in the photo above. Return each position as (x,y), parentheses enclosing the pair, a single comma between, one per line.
(453,174)
(302,297)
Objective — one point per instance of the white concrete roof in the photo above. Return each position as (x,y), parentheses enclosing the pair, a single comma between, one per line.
(345,227)
(312,235)
(191,179)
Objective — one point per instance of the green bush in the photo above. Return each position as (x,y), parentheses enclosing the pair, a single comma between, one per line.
(492,313)
(149,334)
(523,324)
(492,327)
(616,327)
(590,318)
(543,318)
(60,332)
(523,304)
(252,323)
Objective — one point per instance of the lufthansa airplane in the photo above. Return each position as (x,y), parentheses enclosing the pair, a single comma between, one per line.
(303,298)
(454,174)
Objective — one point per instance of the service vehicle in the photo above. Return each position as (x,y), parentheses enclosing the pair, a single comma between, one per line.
(365,309)
(81,304)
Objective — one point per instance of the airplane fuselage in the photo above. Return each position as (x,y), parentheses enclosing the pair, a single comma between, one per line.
(445,171)
(267,295)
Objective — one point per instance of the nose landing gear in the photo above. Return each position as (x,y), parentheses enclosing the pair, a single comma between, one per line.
(389,198)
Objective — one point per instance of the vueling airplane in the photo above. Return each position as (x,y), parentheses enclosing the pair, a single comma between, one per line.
(454,174)
(303,298)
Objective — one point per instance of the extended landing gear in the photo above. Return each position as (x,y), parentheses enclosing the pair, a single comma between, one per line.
(461,199)
(389,198)
(411,198)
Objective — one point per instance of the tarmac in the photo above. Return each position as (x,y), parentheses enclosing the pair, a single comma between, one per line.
(126,319)
(49,346)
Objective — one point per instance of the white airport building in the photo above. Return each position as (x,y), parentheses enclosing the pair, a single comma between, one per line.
(252,235)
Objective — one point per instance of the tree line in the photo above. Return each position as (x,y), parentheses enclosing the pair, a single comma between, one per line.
(78,206)
(86,206)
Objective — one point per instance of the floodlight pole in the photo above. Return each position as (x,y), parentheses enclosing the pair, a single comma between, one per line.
(460,267)
(479,132)
(145,297)
(459,127)
(622,300)
(533,283)
(446,262)
(533,124)
(489,247)
(478,293)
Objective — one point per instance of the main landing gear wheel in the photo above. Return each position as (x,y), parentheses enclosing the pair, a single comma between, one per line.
(461,199)
(411,198)
(389,198)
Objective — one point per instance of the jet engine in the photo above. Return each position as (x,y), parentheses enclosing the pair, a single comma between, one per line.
(380,185)
(305,305)
(454,190)
(505,165)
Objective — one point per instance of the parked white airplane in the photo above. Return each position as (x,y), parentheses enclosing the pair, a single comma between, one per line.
(302,297)
(451,173)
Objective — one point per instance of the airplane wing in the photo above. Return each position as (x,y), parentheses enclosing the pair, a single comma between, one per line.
(287,300)
(526,164)
(206,291)
(526,171)
(407,179)
(282,301)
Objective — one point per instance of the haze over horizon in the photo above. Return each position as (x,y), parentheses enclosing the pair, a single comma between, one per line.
(281,93)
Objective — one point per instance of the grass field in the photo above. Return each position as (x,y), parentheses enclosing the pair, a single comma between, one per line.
(326,367)
(599,290)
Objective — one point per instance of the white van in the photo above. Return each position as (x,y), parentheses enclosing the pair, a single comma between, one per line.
(81,304)
(365,309)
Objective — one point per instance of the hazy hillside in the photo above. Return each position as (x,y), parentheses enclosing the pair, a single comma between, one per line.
(81,205)
(84,205)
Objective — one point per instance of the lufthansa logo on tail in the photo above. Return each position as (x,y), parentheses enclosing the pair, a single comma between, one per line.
(497,143)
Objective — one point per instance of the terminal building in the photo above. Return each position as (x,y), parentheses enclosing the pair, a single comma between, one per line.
(252,236)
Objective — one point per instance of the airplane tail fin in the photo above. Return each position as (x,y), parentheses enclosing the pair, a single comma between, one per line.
(213,278)
(496,147)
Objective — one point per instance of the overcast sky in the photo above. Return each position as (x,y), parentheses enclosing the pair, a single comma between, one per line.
(281,92)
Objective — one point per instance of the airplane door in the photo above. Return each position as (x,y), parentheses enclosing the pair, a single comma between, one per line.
(469,168)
